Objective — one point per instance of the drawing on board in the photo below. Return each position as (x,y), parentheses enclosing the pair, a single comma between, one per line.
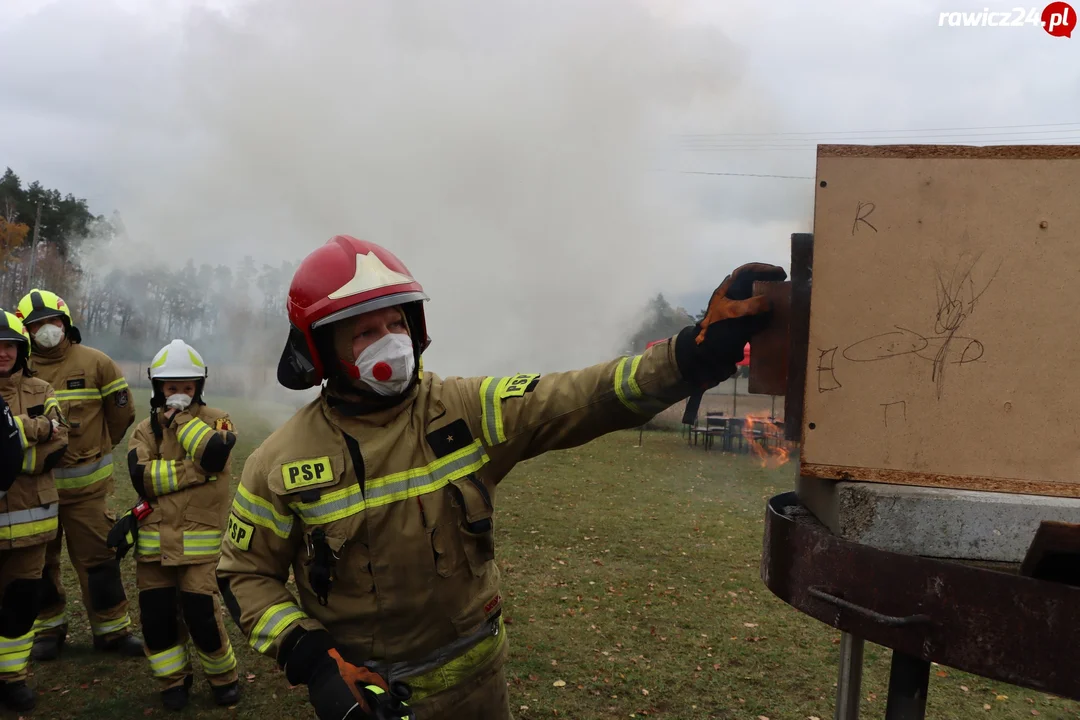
(957,295)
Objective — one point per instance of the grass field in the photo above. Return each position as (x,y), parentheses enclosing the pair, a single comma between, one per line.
(632,590)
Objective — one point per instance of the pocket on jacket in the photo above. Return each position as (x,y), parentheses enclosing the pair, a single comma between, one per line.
(476,528)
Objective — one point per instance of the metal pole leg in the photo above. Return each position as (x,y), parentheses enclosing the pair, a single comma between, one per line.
(909,679)
(849,684)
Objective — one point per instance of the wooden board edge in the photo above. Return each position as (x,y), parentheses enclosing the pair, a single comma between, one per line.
(986,152)
(1013,486)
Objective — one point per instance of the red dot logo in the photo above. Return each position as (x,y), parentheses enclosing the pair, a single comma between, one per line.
(1059,19)
(382,372)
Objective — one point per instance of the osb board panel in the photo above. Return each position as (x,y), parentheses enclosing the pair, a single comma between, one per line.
(943,321)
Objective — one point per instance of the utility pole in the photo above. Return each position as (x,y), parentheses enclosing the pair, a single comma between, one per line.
(33,249)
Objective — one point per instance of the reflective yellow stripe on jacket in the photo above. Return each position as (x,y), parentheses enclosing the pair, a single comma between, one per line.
(391,488)
(454,672)
(163,477)
(71,478)
(202,542)
(628,392)
(25,523)
(91,393)
(273,622)
(192,434)
(148,543)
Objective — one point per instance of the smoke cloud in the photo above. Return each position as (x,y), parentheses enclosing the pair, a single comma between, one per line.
(514,154)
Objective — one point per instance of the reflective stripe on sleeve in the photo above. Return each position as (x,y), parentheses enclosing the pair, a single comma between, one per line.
(163,477)
(274,621)
(192,434)
(628,391)
(491,409)
(114,386)
(148,543)
(253,508)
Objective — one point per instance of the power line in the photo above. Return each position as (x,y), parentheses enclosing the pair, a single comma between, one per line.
(865,132)
(759,175)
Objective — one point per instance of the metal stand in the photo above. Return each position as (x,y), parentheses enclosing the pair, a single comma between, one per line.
(909,679)
(849,684)
(1005,627)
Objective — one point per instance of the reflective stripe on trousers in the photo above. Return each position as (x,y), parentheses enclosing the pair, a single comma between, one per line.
(15,653)
(80,476)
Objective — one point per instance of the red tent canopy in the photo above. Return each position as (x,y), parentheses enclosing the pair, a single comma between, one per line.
(742,363)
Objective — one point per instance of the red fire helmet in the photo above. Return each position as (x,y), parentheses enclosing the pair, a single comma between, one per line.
(343,278)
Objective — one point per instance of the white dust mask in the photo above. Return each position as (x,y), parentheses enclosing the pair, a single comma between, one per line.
(49,336)
(180,402)
(387,364)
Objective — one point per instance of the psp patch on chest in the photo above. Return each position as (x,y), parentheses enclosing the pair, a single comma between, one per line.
(302,473)
(76,384)
(240,533)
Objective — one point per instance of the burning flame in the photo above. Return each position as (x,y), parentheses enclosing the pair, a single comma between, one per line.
(766,440)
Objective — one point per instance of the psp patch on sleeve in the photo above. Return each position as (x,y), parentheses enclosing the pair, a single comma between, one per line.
(519,385)
(313,471)
(240,533)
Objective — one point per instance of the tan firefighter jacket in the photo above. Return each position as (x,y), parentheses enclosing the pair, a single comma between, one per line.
(29,510)
(96,402)
(404,499)
(190,501)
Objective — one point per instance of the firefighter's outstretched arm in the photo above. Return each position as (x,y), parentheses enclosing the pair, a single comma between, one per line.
(115,400)
(522,416)
(261,542)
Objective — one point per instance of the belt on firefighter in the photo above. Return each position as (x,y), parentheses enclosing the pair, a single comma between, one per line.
(449,665)
(80,476)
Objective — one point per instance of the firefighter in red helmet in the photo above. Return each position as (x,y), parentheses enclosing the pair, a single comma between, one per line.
(379,495)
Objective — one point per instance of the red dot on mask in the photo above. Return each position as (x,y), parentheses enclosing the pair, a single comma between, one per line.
(382,372)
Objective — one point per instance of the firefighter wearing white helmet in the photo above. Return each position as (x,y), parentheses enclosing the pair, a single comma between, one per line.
(95,399)
(179,463)
(28,504)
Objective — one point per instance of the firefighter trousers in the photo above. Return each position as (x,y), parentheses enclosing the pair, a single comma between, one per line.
(177,602)
(20,573)
(86,523)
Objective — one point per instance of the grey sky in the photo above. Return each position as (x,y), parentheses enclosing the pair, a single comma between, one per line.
(504,147)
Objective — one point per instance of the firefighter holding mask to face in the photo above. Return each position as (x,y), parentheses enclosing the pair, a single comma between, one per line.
(380,494)
(29,505)
(179,460)
(96,402)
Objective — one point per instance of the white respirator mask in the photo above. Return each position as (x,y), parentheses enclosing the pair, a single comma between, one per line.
(387,364)
(49,336)
(180,402)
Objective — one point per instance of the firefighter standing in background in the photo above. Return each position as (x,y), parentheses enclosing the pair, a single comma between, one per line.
(179,461)
(28,504)
(380,493)
(95,400)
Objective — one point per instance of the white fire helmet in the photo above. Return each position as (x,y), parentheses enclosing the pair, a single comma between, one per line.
(177,361)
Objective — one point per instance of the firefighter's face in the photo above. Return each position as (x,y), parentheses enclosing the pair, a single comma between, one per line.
(178,387)
(9,353)
(368,328)
(33,327)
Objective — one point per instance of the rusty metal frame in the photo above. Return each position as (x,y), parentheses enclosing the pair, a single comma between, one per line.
(987,622)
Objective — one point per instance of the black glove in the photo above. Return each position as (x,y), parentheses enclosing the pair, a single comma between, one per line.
(125,533)
(11,448)
(707,352)
(339,690)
